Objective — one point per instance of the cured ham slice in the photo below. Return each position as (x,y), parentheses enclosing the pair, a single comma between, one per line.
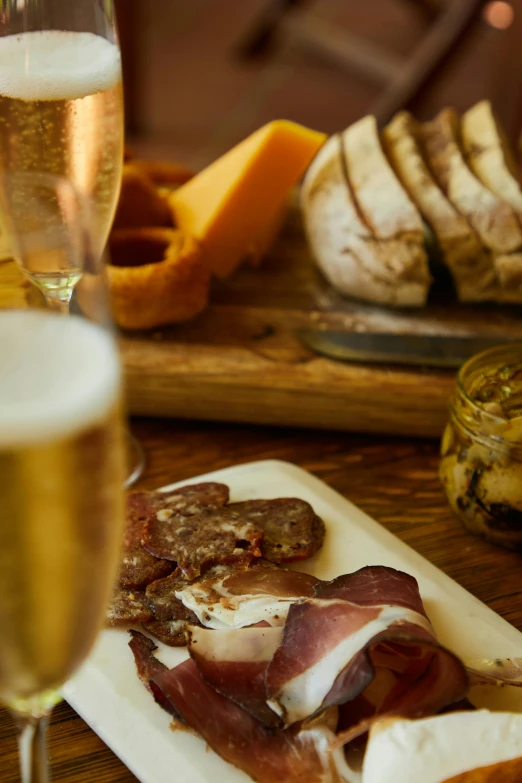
(235,662)
(161,594)
(373,586)
(148,667)
(169,617)
(333,648)
(298,755)
(246,597)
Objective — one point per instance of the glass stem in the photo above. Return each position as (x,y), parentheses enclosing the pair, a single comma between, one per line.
(32,743)
(59,301)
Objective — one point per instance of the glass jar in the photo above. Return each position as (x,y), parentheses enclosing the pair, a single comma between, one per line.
(481,453)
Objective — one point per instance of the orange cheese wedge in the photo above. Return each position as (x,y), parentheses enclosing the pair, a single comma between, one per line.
(236,201)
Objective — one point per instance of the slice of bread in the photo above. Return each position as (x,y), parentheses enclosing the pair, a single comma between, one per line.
(491,217)
(509,275)
(381,198)
(489,154)
(460,248)
(358,263)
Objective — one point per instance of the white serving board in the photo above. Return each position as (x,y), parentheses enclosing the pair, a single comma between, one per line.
(110,698)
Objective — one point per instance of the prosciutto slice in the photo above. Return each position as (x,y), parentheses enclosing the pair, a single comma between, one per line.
(298,755)
(246,597)
(235,663)
(360,630)
(148,667)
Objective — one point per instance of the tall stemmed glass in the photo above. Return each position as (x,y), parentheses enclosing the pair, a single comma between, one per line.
(48,225)
(61,497)
(61,113)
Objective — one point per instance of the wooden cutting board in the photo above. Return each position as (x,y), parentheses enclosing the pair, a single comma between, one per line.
(241,361)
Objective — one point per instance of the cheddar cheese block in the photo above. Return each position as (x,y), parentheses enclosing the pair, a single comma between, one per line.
(232,203)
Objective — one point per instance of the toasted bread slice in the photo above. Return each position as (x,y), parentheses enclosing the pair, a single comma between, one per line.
(489,154)
(460,247)
(389,271)
(492,218)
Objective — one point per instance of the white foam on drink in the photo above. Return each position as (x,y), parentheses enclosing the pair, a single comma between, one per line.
(58,376)
(57,65)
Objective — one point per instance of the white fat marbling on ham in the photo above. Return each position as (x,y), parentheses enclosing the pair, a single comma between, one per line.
(302,754)
(337,631)
(252,645)
(358,630)
(299,754)
(234,663)
(246,597)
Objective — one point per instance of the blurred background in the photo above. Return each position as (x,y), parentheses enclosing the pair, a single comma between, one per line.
(202,74)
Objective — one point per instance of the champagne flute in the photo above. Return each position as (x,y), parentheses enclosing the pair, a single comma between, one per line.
(61,98)
(38,211)
(61,505)
(61,114)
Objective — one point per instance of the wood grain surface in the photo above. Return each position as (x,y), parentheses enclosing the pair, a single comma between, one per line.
(394,480)
(241,360)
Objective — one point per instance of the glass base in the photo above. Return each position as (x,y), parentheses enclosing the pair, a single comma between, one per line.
(36,705)
(135,460)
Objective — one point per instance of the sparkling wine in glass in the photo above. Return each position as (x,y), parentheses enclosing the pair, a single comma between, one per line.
(48,225)
(61,114)
(61,98)
(61,507)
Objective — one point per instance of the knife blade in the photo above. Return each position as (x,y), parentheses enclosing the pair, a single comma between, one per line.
(425,350)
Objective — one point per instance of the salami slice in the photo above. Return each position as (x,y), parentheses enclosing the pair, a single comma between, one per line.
(161,595)
(128,607)
(173,632)
(191,498)
(138,568)
(291,529)
(198,539)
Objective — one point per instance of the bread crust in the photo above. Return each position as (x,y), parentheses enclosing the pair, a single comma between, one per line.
(493,218)
(489,155)
(382,200)
(389,271)
(460,247)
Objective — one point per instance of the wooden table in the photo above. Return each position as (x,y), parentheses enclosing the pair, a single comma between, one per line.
(394,480)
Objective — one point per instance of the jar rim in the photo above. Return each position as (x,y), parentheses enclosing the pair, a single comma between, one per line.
(488,358)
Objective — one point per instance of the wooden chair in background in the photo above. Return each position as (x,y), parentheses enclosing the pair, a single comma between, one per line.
(453,28)
(448,23)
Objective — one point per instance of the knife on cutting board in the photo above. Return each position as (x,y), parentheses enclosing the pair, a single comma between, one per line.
(421,350)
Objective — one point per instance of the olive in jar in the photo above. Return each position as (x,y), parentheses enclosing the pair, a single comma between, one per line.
(481,452)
